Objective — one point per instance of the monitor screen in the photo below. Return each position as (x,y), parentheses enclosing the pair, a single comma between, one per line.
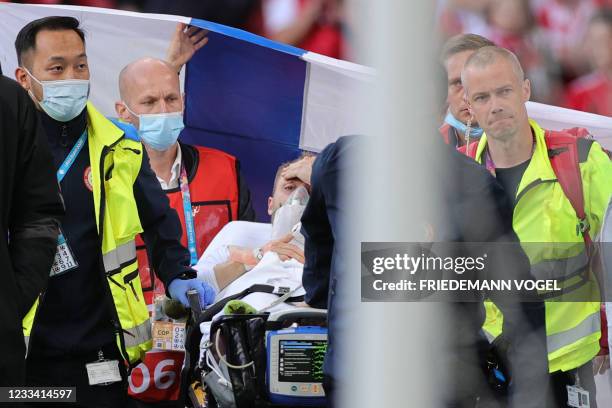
(301,360)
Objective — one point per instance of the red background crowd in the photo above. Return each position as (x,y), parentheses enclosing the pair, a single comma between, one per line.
(565,46)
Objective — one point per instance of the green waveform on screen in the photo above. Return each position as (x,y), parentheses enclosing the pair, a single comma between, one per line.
(317,363)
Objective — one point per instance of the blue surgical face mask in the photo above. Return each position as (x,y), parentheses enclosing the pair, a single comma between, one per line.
(62,100)
(159,130)
(475,132)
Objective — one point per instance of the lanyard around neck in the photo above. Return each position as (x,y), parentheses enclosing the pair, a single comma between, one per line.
(69,160)
(189,222)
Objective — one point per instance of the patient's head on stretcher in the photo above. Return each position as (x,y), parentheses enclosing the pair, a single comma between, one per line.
(283,188)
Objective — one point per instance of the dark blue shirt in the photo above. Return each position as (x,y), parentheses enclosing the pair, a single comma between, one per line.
(69,322)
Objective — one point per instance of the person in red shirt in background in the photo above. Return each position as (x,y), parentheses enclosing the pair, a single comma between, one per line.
(511,26)
(593,92)
(564,24)
(314,25)
(455,17)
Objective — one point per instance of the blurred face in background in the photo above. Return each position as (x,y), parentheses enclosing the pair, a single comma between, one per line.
(599,45)
(332,12)
(511,16)
(569,2)
(477,6)
(455,96)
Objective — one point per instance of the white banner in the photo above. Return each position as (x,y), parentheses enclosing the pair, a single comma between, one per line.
(113,39)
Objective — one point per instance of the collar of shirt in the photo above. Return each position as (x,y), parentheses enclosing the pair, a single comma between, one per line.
(64,134)
(175,172)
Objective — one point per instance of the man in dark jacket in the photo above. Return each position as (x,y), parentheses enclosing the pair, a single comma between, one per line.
(463,186)
(477,210)
(321,225)
(93,317)
(30,207)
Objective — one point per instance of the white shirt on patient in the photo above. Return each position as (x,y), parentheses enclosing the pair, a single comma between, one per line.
(270,270)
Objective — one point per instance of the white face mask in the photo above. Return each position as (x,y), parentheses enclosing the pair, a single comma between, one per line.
(62,100)
(290,213)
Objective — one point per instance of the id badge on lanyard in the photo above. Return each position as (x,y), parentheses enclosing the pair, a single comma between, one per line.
(64,257)
(577,396)
(103,372)
(189,220)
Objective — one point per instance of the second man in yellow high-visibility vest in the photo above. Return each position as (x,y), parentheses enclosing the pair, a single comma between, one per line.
(514,149)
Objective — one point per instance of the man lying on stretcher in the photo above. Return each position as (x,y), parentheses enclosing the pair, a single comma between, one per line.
(247,253)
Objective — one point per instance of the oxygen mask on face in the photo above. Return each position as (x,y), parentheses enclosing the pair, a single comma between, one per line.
(289,214)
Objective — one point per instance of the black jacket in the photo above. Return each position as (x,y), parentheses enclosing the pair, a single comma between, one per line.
(478,210)
(323,225)
(30,207)
(474,209)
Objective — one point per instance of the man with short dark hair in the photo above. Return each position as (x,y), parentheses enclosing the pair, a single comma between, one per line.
(516,150)
(93,319)
(458,117)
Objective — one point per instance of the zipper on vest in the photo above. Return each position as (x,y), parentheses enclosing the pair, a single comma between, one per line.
(531,186)
(129,280)
(134,291)
(64,136)
(115,316)
(131,150)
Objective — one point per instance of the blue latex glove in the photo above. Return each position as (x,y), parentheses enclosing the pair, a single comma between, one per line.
(178,291)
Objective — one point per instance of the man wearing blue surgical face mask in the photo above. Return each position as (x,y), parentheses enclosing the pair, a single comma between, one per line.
(92,318)
(152,102)
(203,185)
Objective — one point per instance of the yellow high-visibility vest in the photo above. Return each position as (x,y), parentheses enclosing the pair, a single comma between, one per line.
(115,163)
(544,215)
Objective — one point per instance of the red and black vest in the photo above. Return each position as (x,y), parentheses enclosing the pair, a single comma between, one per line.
(213,185)
(447,133)
(450,137)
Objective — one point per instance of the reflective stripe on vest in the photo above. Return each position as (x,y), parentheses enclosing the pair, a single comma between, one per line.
(137,335)
(120,257)
(118,224)
(590,325)
(115,164)
(561,269)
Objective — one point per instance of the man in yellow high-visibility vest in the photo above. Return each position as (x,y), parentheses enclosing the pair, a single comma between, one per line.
(514,149)
(92,317)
